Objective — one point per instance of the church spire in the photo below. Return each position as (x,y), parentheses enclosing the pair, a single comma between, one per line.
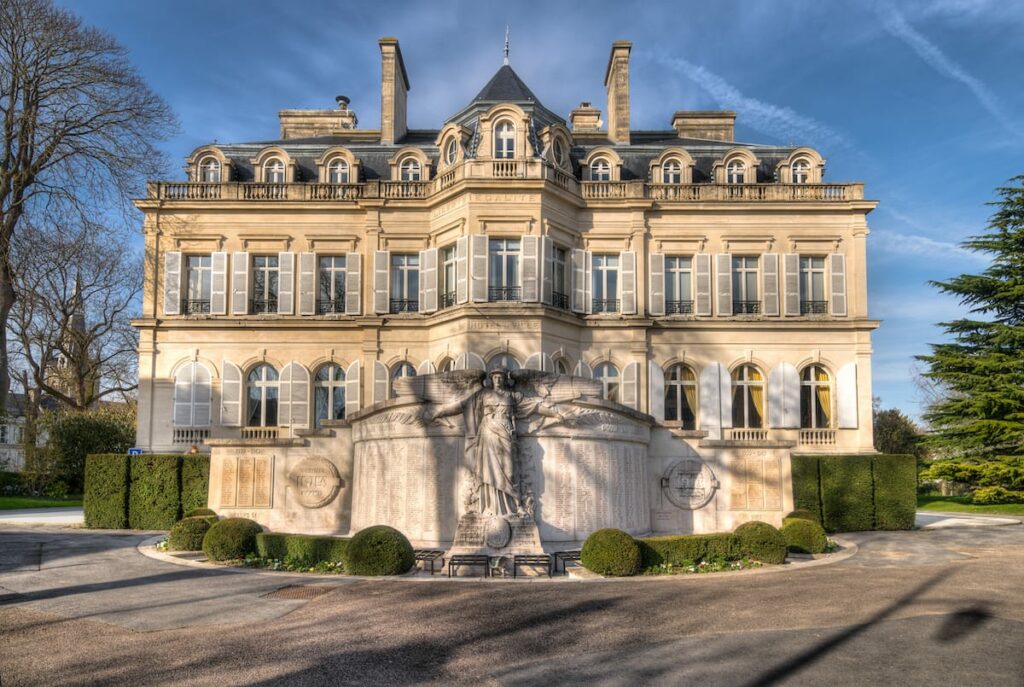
(506,44)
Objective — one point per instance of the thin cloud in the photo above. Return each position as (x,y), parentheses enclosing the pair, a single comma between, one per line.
(923,246)
(781,122)
(897,25)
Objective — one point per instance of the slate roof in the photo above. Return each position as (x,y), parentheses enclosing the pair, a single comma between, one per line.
(506,86)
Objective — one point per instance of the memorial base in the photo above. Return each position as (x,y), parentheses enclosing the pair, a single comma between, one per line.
(500,537)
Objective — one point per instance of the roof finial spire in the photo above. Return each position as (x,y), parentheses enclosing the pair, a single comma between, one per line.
(506,44)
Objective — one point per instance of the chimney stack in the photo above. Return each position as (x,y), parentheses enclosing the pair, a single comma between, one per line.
(394,87)
(585,118)
(714,125)
(616,80)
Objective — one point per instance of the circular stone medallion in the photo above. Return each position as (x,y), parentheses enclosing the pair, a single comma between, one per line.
(690,484)
(315,482)
(497,532)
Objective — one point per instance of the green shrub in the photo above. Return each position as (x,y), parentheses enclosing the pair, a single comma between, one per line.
(106,491)
(895,482)
(692,548)
(379,550)
(801,514)
(804,536)
(993,496)
(231,538)
(195,481)
(198,512)
(309,549)
(72,435)
(847,493)
(154,500)
(806,485)
(611,552)
(1004,471)
(188,534)
(761,541)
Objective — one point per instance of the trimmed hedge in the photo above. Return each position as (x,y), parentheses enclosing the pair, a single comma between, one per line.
(611,552)
(761,541)
(895,483)
(188,534)
(804,536)
(687,548)
(379,550)
(200,513)
(154,497)
(807,485)
(304,548)
(230,539)
(801,514)
(195,481)
(106,491)
(847,498)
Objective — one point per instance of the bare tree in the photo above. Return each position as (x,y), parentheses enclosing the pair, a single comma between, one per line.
(79,129)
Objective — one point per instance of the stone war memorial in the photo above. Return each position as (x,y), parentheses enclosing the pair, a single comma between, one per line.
(508,331)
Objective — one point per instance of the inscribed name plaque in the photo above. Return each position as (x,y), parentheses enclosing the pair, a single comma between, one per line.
(690,484)
(315,482)
(757,481)
(246,480)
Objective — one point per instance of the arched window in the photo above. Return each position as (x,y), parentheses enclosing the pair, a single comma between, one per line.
(410,169)
(209,170)
(681,396)
(192,395)
(504,141)
(337,171)
(736,172)
(447,365)
(400,370)
(747,397)
(561,366)
(559,151)
(329,393)
(451,150)
(273,171)
(800,171)
(608,375)
(600,170)
(262,392)
(815,398)
(672,172)
(503,360)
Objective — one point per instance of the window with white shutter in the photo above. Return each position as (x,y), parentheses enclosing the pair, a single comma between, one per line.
(547,270)
(791,284)
(583,370)
(702,304)
(428,280)
(380,381)
(462,270)
(837,268)
(219,283)
(172,283)
(294,395)
(192,396)
(353,285)
(478,245)
(530,266)
(352,377)
(846,396)
(627,277)
(770,275)
(240,283)
(231,395)
(286,283)
(656,297)
(381,282)
(783,396)
(307,284)
(655,390)
(580,283)
(631,385)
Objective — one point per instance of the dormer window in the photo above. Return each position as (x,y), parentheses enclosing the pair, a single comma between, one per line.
(801,172)
(209,170)
(451,151)
(559,151)
(273,171)
(410,169)
(672,172)
(504,141)
(600,170)
(736,172)
(337,172)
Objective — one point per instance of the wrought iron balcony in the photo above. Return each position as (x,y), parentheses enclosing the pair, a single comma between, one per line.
(400,305)
(605,305)
(262,306)
(448,299)
(814,307)
(678,307)
(326,307)
(196,307)
(560,300)
(746,307)
(503,293)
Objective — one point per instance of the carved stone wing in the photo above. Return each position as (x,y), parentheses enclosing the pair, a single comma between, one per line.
(440,388)
(553,387)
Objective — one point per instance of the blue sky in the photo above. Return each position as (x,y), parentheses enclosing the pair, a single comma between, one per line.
(920,100)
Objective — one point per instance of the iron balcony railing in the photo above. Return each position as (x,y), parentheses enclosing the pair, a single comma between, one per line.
(503,293)
(605,305)
(678,307)
(560,300)
(448,299)
(400,305)
(261,306)
(326,307)
(746,307)
(813,307)
(197,307)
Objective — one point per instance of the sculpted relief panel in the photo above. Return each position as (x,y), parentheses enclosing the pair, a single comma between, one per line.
(247,479)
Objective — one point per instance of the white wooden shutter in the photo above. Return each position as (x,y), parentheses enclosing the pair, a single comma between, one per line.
(462,269)
(579,281)
(846,396)
(380,381)
(202,396)
(184,380)
(240,283)
(293,407)
(478,268)
(540,361)
(770,278)
(529,268)
(381,282)
(725,395)
(723,283)
(353,286)
(352,376)
(588,281)
(286,283)
(710,400)
(656,298)
(307,283)
(783,397)
(547,272)
(702,266)
(470,361)
(426,368)
(284,396)
(583,370)
(791,283)
(627,283)
(656,390)
(837,270)
(428,280)
(172,282)
(231,395)
(219,283)
(631,385)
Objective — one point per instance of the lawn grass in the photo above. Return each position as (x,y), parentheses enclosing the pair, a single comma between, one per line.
(962,504)
(16,502)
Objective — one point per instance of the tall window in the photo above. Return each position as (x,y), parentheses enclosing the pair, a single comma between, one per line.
(678,285)
(265,274)
(449,275)
(331,293)
(504,270)
(812,285)
(447,365)
(681,396)
(815,398)
(744,286)
(405,282)
(505,141)
(273,171)
(337,172)
(561,366)
(263,391)
(560,278)
(608,375)
(736,172)
(672,172)
(600,170)
(747,397)
(209,170)
(400,370)
(503,360)
(199,276)
(801,172)
(329,393)
(606,283)
(409,170)
(451,151)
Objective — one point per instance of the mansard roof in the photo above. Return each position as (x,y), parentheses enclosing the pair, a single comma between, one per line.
(506,87)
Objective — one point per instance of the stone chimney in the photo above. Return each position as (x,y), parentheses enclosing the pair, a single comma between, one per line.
(394,87)
(714,125)
(585,118)
(616,80)
(315,123)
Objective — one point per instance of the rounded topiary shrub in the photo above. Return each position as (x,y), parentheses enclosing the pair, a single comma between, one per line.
(804,536)
(801,514)
(199,512)
(379,550)
(761,541)
(187,534)
(231,538)
(611,552)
